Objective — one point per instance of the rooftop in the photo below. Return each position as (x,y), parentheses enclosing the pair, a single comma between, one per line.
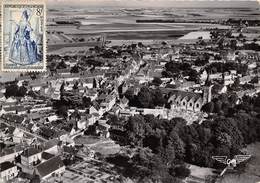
(49,166)
(30,152)
(6,165)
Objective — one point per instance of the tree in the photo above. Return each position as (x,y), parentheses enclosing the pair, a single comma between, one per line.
(208,107)
(62,88)
(157,81)
(35,179)
(145,98)
(202,60)
(62,110)
(180,171)
(14,90)
(11,90)
(140,44)
(233,44)
(22,91)
(178,144)
(86,101)
(194,76)
(75,86)
(158,98)
(75,69)
(94,83)
(62,65)
(136,129)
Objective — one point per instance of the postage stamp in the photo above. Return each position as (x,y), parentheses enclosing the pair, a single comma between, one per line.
(23,35)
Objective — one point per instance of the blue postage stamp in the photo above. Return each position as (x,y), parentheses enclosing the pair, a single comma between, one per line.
(23,36)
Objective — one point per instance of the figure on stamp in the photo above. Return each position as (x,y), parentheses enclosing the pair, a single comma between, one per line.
(23,49)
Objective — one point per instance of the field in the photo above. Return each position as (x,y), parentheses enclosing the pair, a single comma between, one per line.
(119,24)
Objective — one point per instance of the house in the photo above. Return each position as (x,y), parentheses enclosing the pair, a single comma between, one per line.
(228,78)
(124,87)
(63,71)
(51,146)
(92,94)
(17,135)
(37,85)
(51,167)
(82,124)
(46,156)
(8,171)
(15,110)
(14,118)
(124,102)
(9,154)
(92,118)
(2,97)
(109,102)
(88,82)
(30,156)
(245,79)
(103,130)
(52,118)
(95,108)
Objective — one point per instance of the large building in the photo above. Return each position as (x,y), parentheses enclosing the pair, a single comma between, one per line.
(7,171)
(189,100)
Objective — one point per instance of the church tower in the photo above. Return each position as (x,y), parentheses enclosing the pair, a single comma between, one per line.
(207,94)
(258,76)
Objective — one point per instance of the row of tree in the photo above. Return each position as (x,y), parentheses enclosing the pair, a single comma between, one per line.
(177,70)
(146,98)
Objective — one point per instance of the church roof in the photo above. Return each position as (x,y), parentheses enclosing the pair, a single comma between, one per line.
(183,94)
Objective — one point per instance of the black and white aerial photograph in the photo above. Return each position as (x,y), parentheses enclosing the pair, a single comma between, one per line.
(130,91)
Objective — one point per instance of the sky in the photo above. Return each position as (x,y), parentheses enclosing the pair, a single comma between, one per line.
(157,3)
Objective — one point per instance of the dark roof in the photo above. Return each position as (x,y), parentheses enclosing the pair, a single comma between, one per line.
(3,126)
(96,105)
(13,117)
(66,70)
(6,165)
(47,156)
(30,151)
(15,108)
(70,150)
(184,94)
(124,100)
(49,166)
(11,129)
(7,151)
(51,143)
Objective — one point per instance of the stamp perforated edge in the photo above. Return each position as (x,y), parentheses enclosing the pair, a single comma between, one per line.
(24,2)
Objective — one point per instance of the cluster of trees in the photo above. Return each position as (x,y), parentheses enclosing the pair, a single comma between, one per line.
(216,67)
(174,142)
(202,60)
(156,81)
(252,46)
(70,100)
(223,104)
(176,70)
(146,98)
(16,91)
(145,166)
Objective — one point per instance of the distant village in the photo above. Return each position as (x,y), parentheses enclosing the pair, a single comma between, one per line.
(60,125)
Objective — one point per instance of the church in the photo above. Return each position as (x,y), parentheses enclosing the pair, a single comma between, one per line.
(189,101)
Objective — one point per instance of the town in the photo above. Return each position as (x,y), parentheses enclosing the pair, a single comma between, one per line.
(134,112)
